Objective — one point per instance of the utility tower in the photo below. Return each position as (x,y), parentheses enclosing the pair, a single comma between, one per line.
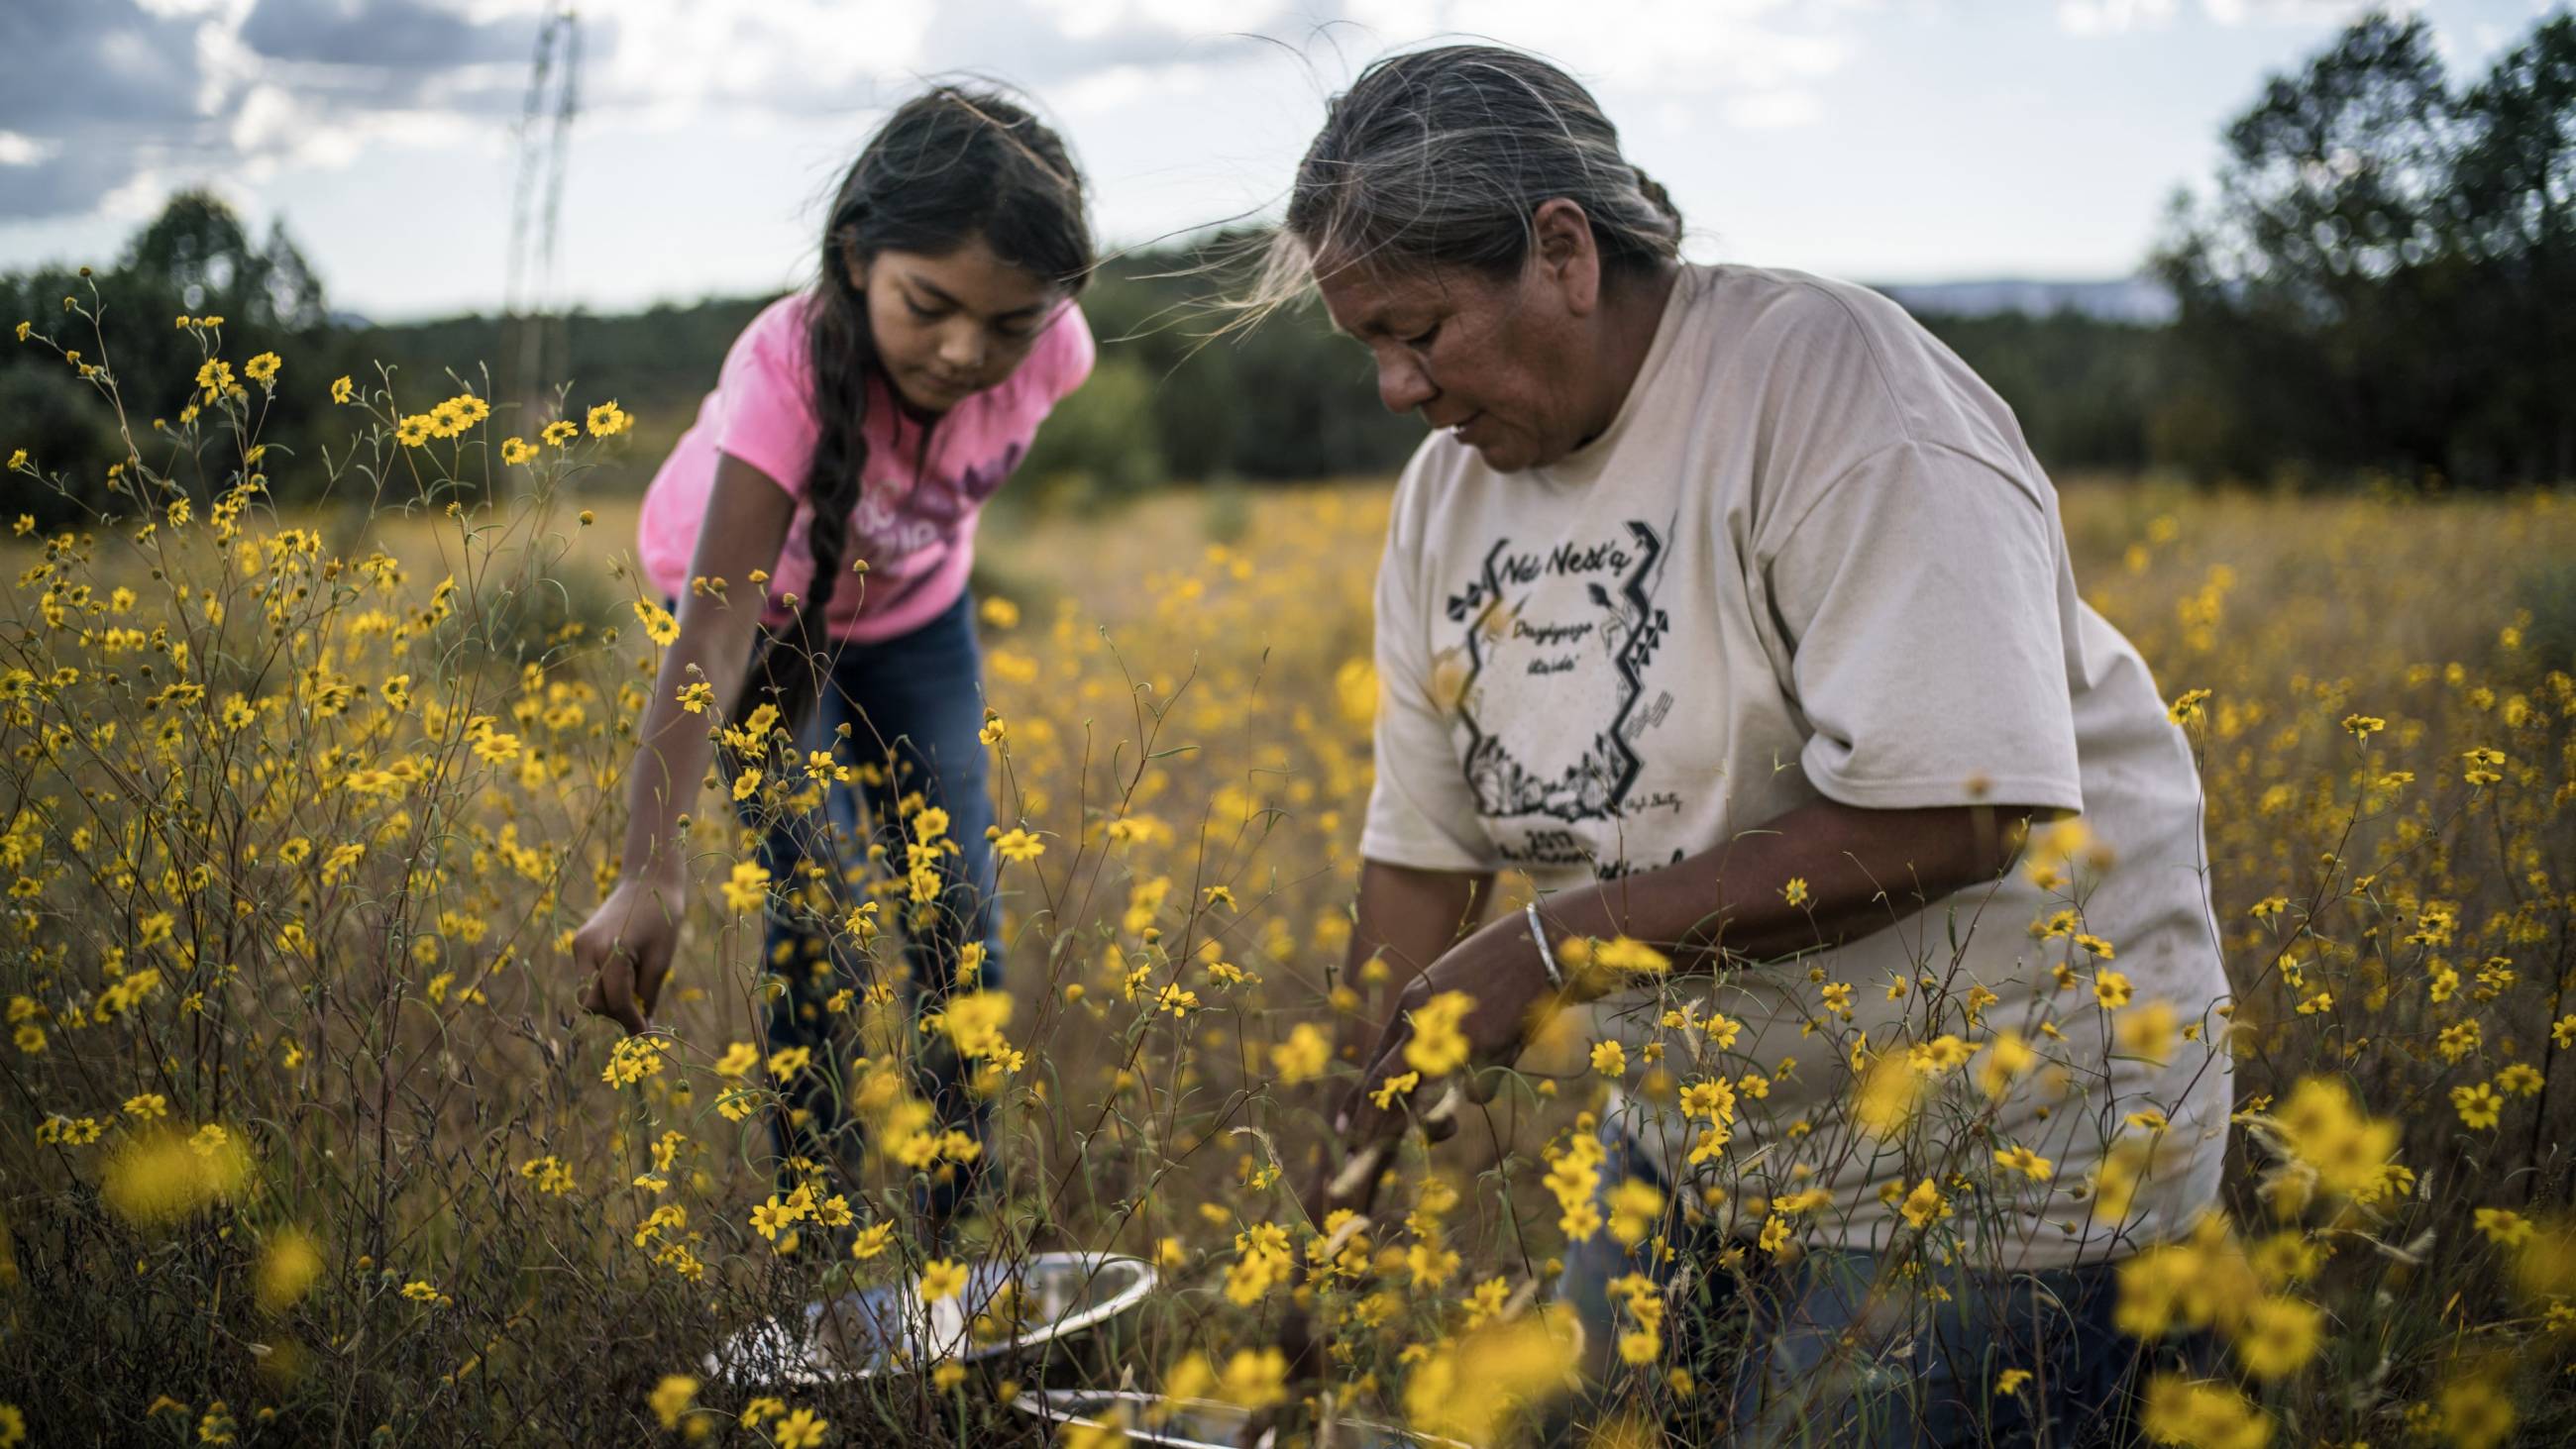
(534,349)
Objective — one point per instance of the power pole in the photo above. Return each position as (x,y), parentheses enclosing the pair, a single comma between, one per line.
(534,345)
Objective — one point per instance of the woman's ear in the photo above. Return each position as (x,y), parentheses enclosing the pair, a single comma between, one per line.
(1564,253)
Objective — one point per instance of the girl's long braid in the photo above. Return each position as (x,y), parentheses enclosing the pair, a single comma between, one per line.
(789,667)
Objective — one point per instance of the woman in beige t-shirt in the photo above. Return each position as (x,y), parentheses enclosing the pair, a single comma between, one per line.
(1730,607)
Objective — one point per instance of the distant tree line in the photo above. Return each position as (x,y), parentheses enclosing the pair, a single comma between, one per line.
(1285,401)
(2382,282)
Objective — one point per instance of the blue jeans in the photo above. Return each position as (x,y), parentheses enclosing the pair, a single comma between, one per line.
(913,706)
(1837,1348)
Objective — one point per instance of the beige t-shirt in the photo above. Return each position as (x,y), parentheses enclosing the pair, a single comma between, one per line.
(1813,557)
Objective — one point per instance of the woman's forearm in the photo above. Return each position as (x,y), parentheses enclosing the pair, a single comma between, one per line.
(1862,870)
(1406,919)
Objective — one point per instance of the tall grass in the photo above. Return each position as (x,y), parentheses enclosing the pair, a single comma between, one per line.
(309,1143)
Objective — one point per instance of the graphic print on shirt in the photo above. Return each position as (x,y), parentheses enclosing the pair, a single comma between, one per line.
(890,524)
(1558,642)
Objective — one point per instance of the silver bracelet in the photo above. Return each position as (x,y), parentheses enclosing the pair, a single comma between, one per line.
(1546,957)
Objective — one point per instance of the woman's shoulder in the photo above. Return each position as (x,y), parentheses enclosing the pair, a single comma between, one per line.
(1786,308)
(1823,347)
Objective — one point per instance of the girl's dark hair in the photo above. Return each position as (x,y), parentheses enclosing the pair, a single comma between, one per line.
(949,167)
(1439,158)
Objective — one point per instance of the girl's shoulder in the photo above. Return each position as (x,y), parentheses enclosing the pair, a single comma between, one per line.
(777,330)
(1063,355)
(771,355)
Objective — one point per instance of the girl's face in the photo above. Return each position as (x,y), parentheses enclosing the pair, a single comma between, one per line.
(949,326)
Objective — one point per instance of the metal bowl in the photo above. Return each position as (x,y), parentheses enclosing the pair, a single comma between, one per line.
(1196,1423)
(1008,1306)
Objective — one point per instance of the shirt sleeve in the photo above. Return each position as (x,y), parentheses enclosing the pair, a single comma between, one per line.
(1920,599)
(768,390)
(1421,811)
(1070,352)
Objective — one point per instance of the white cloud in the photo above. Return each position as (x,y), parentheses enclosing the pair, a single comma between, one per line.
(1091,19)
(1774,110)
(224,64)
(2118,17)
(267,117)
(2111,17)
(142,195)
(180,9)
(1756,45)
(19,149)
(1398,21)
(2298,12)
(789,54)
(1121,85)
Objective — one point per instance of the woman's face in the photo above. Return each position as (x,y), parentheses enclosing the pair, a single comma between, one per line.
(1499,362)
(949,326)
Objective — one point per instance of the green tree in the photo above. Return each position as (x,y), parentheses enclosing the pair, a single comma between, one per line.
(2083,387)
(1100,442)
(196,259)
(2514,219)
(196,255)
(2370,286)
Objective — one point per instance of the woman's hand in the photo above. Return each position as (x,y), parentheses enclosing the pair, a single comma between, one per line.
(1501,972)
(626,946)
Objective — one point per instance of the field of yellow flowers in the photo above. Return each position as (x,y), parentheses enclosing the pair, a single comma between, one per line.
(307,1141)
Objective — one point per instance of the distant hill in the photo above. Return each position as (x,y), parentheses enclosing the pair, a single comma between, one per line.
(2140,300)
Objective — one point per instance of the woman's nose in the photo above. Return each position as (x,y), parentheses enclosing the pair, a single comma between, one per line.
(1402,384)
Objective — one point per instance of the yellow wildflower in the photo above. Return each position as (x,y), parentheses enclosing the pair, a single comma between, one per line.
(941,1279)
(1437,1047)
(671,1399)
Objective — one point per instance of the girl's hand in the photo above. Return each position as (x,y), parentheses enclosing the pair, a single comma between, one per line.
(626,946)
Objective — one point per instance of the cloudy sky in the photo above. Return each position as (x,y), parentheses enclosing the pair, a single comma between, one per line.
(1885,140)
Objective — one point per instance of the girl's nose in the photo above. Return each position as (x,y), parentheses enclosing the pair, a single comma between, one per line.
(962,349)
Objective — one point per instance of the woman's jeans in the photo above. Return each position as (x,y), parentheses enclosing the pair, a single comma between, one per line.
(1836,1347)
(914,707)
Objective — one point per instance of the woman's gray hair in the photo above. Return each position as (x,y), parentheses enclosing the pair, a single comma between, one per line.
(1438,158)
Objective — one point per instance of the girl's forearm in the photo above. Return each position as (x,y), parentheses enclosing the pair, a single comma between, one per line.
(672,747)
(746,523)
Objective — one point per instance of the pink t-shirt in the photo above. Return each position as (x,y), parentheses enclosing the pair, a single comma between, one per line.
(915,519)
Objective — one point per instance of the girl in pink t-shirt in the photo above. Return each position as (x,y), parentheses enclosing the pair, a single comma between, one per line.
(852,436)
